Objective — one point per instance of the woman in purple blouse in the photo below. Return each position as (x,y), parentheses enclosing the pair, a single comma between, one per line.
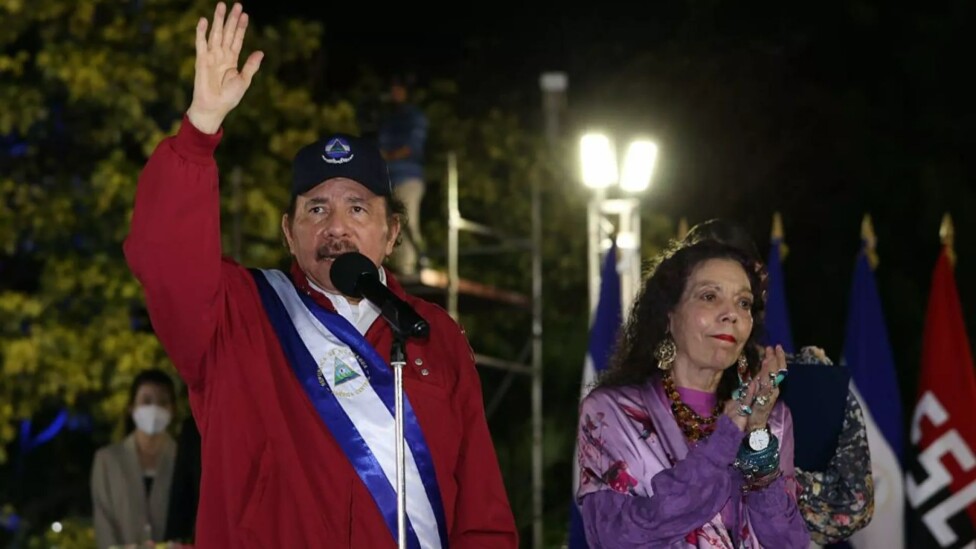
(836,499)
(682,443)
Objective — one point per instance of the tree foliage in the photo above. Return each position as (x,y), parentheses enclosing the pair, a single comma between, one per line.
(87,90)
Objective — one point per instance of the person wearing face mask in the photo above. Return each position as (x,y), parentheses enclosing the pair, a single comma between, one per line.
(683,442)
(130,480)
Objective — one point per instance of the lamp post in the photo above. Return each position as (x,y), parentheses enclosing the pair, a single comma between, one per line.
(618,217)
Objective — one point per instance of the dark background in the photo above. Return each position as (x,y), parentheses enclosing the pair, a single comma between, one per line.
(822,111)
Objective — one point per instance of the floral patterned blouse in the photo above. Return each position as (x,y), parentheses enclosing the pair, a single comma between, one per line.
(839,501)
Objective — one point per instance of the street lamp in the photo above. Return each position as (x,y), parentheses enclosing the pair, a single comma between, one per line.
(639,165)
(598,160)
(618,218)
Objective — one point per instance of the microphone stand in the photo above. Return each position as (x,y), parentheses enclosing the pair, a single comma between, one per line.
(358,277)
(398,359)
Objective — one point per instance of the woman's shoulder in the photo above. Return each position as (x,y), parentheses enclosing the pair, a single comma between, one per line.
(627,395)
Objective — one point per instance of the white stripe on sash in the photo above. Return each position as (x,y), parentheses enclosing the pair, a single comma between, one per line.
(363,406)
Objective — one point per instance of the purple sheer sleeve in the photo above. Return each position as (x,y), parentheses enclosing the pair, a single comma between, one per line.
(685,497)
(773,513)
(775,518)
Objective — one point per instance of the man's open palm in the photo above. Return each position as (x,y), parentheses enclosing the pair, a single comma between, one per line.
(219,86)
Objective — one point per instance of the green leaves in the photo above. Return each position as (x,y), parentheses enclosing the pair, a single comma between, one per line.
(87,91)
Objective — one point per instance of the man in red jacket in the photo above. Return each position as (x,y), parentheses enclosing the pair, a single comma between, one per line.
(289,380)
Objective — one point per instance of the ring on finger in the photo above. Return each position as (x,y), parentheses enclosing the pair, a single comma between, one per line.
(777,377)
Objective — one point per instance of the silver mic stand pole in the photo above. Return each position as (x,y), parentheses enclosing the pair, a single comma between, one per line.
(398,361)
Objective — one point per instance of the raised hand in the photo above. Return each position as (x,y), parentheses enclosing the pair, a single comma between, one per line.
(733,408)
(766,391)
(218,85)
(760,394)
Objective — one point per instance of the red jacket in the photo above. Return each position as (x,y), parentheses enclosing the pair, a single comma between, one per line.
(273,475)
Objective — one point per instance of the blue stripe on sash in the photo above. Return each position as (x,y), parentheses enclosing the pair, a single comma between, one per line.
(381,380)
(331,412)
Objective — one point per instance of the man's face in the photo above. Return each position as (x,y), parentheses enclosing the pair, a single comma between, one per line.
(338,216)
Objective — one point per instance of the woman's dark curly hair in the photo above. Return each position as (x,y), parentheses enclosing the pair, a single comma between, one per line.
(726,232)
(633,361)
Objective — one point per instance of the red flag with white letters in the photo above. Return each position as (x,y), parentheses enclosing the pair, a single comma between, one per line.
(941,481)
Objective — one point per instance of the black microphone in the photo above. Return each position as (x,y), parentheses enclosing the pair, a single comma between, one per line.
(355,275)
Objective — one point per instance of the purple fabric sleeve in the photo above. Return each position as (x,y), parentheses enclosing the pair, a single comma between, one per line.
(775,518)
(686,496)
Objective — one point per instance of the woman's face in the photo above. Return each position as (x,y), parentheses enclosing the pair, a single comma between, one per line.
(153,393)
(713,318)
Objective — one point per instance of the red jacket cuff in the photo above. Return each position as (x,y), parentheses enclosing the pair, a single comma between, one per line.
(195,145)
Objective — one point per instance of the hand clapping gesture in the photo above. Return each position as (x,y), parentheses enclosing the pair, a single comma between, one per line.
(752,410)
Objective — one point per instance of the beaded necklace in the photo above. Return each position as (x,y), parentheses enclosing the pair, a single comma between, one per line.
(692,425)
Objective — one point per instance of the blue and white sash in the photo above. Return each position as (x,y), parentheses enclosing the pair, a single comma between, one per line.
(351,387)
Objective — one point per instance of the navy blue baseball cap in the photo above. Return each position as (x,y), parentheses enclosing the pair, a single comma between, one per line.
(340,155)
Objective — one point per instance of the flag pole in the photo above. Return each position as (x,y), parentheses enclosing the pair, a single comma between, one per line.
(947,234)
(870,241)
(777,235)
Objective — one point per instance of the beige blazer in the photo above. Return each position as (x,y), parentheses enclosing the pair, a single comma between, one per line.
(121,511)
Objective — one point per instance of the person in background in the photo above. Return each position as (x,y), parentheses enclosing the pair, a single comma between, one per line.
(130,480)
(402,138)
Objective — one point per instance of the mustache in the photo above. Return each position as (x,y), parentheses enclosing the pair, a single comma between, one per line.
(331,250)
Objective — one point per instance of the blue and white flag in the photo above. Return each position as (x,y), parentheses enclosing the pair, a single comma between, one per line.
(868,356)
(603,335)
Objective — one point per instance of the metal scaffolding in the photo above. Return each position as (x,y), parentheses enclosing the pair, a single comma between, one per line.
(529,361)
(614,219)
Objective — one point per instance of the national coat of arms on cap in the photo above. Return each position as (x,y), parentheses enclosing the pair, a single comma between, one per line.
(337,151)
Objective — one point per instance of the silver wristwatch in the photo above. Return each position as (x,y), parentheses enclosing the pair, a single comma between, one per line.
(758,439)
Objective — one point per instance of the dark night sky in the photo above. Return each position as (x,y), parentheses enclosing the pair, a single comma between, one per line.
(821,110)
(824,111)
(506,45)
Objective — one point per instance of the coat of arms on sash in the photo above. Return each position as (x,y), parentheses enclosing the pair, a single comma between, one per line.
(343,373)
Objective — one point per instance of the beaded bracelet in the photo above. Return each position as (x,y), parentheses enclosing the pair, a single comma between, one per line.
(761,482)
(754,465)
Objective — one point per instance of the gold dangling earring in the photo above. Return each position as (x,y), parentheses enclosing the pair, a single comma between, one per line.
(665,353)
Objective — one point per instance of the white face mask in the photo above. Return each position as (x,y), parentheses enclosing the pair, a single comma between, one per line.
(151,419)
